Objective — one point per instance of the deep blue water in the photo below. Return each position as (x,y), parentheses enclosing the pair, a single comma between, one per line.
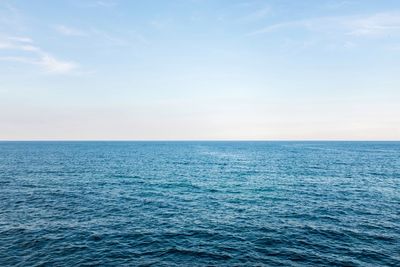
(200,203)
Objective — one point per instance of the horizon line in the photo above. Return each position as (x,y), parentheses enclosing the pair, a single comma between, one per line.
(200,140)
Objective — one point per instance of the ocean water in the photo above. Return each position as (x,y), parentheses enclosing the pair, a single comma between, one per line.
(200,203)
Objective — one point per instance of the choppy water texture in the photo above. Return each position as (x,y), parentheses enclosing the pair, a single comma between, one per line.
(200,203)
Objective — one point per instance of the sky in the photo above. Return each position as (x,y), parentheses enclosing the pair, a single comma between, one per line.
(200,70)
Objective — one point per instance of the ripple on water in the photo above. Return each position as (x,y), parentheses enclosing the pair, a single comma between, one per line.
(200,203)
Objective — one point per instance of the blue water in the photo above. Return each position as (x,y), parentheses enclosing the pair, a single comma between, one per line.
(200,203)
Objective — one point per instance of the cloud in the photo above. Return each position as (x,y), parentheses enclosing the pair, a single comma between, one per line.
(36,56)
(105,3)
(31,48)
(54,65)
(68,31)
(20,39)
(106,37)
(96,3)
(336,4)
(10,17)
(5,45)
(258,14)
(393,47)
(312,24)
(162,24)
(376,25)
(17,43)
(18,59)
(23,50)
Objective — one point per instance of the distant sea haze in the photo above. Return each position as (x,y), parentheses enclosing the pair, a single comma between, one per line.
(200,203)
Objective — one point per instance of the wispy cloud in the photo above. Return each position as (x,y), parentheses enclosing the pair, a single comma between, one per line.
(339,4)
(17,43)
(18,59)
(105,37)
(20,39)
(109,38)
(105,3)
(378,25)
(54,65)
(22,49)
(306,24)
(36,56)
(96,3)
(257,14)
(69,31)
(161,24)
(10,17)
(394,47)
(375,25)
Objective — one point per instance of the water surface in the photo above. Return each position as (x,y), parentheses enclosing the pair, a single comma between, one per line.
(200,203)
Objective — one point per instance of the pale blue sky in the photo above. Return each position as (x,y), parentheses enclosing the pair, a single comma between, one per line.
(200,69)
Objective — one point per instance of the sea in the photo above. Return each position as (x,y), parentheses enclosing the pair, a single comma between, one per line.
(199,203)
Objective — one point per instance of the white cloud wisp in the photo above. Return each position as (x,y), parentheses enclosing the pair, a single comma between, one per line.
(36,56)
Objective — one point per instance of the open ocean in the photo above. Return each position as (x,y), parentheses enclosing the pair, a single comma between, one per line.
(200,203)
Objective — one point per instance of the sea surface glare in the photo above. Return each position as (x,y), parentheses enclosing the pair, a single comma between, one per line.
(200,203)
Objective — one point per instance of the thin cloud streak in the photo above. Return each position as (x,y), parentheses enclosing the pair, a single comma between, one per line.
(257,15)
(376,25)
(106,37)
(96,4)
(54,65)
(68,31)
(37,56)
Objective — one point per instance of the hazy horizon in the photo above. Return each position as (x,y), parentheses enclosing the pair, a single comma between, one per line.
(200,70)
(208,140)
